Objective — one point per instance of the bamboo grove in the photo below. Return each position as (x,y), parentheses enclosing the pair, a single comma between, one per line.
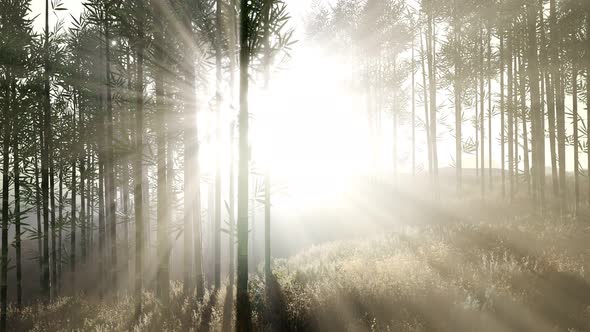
(100,115)
(502,79)
(101,134)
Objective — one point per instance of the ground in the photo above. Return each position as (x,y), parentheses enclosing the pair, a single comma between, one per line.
(525,272)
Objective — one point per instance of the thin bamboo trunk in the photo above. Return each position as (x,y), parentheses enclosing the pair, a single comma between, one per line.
(73,216)
(490,110)
(516,118)
(101,224)
(413,124)
(482,111)
(138,169)
(218,81)
(560,106)
(45,146)
(232,231)
(189,157)
(576,140)
(110,186)
(431,47)
(537,116)
(243,316)
(6,128)
(163,284)
(54,275)
(502,116)
(588,97)
(39,233)
(232,38)
(267,184)
(61,223)
(524,117)
(426,104)
(82,165)
(510,111)
(17,221)
(89,199)
(477,130)
(550,98)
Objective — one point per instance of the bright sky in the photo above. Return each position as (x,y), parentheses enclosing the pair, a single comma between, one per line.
(297,7)
(307,63)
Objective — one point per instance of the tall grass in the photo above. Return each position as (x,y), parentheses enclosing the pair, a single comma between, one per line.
(527,274)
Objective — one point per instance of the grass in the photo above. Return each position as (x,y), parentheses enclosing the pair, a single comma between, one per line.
(525,274)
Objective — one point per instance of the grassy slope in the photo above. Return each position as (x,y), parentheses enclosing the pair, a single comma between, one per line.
(525,274)
(522,275)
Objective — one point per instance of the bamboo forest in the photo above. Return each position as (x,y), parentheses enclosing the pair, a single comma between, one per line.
(295,165)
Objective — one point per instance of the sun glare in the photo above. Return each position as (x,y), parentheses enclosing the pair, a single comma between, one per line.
(307,130)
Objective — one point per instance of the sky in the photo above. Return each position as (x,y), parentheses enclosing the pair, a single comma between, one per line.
(306,63)
(297,7)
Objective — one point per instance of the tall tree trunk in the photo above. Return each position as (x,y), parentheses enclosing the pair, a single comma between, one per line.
(413,124)
(588,94)
(73,207)
(243,316)
(162,277)
(18,217)
(560,109)
(502,115)
(477,129)
(110,186)
(60,227)
(433,107)
(576,141)
(516,118)
(395,121)
(39,233)
(46,125)
(196,203)
(101,218)
(53,222)
(253,261)
(550,97)
(523,111)
(125,164)
(232,230)
(267,186)
(537,115)
(189,150)
(101,144)
(510,110)
(232,38)
(550,90)
(5,213)
(81,163)
(482,111)
(138,169)
(17,210)
(426,105)
(218,80)
(490,110)
(89,198)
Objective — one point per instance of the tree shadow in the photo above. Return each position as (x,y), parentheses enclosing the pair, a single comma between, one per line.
(276,315)
(228,307)
(207,313)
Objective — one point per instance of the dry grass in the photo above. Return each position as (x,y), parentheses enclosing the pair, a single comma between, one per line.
(527,274)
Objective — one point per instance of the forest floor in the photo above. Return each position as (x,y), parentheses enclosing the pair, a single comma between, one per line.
(525,273)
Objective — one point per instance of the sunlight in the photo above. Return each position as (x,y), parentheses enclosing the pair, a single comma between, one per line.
(294,165)
(296,134)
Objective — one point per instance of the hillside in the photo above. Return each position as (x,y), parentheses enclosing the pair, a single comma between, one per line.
(526,274)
